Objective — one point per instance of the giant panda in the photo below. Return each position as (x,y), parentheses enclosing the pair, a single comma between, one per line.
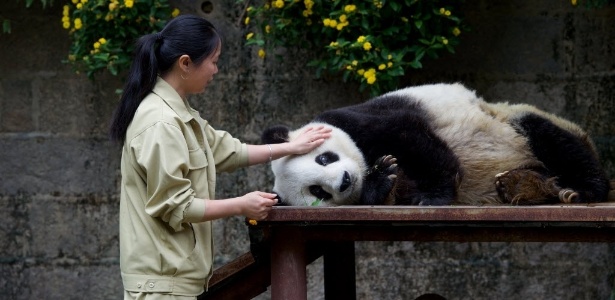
(440,144)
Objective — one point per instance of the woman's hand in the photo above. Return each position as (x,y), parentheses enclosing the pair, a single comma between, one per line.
(309,139)
(256,205)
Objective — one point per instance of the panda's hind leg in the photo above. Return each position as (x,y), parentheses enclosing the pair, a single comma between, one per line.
(526,187)
(569,160)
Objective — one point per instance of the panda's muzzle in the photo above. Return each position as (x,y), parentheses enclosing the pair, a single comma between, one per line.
(345,182)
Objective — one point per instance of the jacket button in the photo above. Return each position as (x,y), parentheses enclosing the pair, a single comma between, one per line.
(139,285)
(151,285)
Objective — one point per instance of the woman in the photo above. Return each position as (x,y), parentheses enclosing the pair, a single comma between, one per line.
(170,157)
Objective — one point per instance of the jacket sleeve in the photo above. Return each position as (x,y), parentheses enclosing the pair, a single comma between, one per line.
(229,153)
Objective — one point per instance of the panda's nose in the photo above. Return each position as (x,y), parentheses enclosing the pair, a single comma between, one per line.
(345,182)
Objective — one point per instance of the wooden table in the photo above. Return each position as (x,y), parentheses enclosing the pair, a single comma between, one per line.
(293,230)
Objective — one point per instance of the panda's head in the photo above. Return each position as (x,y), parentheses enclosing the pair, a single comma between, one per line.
(329,175)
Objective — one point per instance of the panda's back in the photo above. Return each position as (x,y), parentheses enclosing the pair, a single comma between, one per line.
(484,145)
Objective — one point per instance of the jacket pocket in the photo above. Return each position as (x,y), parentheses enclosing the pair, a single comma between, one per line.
(198,159)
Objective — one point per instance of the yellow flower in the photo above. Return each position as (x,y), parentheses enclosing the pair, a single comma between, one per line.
(108,17)
(447,13)
(326,22)
(382,67)
(456,31)
(333,44)
(279,3)
(444,41)
(333,23)
(102,41)
(247,21)
(574,2)
(355,63)
(350,8)
(349,67)
(249,9)
(267,29)
(360,72)
(389,57)
(175,13)
(371,79)
(65,19)
(442,10)
(96,45)
(249,35)
(367,46)
(79,5)
(369,73)
(112,6)
(129,3)
(389,64)
(361,39)
(78,23)
(341,26)
(84,1)
(261,53)
(66,25)
(75,1)
(404,19)
(343,18)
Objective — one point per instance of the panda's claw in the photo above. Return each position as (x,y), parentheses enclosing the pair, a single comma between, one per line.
(385,165)
(501,174)
(568,196)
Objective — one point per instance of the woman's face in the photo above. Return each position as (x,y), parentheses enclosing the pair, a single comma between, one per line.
(202,74)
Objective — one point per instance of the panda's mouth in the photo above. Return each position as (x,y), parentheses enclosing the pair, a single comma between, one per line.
(346,182)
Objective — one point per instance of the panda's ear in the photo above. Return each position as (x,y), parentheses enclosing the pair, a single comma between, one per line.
(275,135)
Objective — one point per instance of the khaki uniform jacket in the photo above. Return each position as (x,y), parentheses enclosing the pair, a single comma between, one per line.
(170,156)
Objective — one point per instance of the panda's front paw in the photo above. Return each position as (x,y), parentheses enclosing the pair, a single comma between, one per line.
(387,166)
(380,182)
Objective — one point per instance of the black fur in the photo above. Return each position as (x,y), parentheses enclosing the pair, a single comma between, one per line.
(566,157)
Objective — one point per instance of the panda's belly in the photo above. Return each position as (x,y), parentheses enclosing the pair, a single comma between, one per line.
(483,145)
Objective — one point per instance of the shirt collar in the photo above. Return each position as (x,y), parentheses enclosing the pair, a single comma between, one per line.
(170,96)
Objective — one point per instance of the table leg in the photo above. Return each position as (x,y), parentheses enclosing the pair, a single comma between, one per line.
(288,274)
(339,268)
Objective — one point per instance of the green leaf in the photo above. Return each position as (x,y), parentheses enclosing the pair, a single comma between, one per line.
(416,64)
(395,6)
(316,202)
(418,24)
(396,71)
(6,26)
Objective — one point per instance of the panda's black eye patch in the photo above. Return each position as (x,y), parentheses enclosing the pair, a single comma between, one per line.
(317,191)
(327,158)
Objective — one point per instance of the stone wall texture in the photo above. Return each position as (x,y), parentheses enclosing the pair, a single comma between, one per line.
(59,174)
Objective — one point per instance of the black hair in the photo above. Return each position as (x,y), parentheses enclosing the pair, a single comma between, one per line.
(155,55)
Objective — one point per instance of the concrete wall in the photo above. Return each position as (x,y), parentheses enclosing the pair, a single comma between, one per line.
(59,174)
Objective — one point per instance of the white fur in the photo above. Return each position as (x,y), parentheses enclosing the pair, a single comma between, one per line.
(296,173)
